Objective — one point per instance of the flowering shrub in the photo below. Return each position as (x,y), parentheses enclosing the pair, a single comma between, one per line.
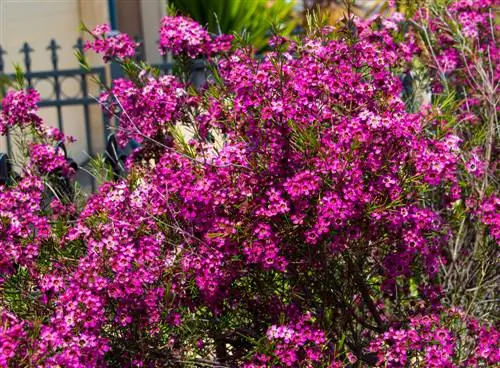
(12,336)
(149,108)
(182,35)
(295,344)
(488,213)
(111,46)
(19,109)
(312,234)
(461,49)
(432,340)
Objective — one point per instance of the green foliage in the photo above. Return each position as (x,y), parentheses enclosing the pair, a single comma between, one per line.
(19,76)
(100,170)
(82,61)
(5,82)
(11,297)
(409,7)
(256,18)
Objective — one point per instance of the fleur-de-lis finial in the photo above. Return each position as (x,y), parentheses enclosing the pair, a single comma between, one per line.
(27,50)
(53,47)
(2,64)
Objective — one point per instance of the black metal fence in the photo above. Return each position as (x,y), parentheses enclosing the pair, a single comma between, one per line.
(58,97)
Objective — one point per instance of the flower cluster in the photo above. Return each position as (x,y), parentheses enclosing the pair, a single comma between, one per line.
(184,36)
(19,108)
(489,213)
(111,45)
(12,338)
(22,223)
(147,111)
(438,342)
(48,158)
(293,345)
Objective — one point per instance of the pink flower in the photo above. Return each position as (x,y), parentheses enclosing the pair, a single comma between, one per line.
(19,108)
(111,45)
(182,35)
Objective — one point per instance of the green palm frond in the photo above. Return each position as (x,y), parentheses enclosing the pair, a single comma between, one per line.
(256,18)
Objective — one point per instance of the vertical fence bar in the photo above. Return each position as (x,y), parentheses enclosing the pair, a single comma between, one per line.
(53,47)
(5,169)
(164,64)
(2,63)
(85,92)
(26,50)
(140,54)
(86,109)
(105,119)
(113,16)
(3,91)
(9,143)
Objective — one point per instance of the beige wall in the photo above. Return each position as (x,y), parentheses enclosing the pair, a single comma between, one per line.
(36,21)
(152,11)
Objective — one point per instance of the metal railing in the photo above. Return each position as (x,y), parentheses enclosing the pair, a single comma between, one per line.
(58,98)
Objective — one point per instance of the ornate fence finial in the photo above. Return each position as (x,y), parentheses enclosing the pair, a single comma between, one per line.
(27,50)
(2,64)
(53,47)
(79,45)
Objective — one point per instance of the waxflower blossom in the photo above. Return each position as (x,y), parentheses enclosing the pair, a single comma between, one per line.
(428,339)
(19,108)
(184,36)
(111,45)
(489,213)
(23,226)
(222,43)
(47,159)
(304,184)
(475,166)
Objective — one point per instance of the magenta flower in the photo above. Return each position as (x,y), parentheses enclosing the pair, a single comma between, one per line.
(19,108)
(182,35)
(111,45)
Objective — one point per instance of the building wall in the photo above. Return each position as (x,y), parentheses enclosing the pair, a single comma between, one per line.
(37,21)
(152,11)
